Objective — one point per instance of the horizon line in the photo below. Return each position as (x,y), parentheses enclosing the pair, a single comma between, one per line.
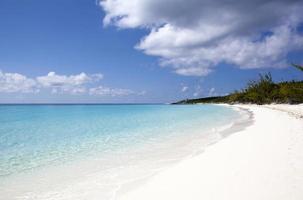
(3,104)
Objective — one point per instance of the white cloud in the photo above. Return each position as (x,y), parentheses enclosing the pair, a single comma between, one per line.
(14,82)
(193,36)
(54,80)
(70,90)
(106,91)
(73,84)
(59,84)
(190,71)
(184,89)
(198,91)
(212,92)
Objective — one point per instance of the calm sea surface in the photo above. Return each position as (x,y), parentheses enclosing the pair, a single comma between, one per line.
(97,141)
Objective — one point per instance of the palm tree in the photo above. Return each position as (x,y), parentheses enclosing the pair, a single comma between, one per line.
(299,67)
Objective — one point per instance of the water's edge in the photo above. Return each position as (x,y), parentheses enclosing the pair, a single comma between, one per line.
(244,122)
(96,177)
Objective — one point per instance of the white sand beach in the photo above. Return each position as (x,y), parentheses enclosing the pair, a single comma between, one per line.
(262,162)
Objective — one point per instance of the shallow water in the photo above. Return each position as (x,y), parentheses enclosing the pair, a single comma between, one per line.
(93,151)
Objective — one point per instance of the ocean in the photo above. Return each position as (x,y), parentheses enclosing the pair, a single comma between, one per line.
(98,151)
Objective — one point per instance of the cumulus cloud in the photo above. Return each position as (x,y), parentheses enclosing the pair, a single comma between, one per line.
(69,90)
(59,84)
(73,84)
(14,82)
(193,36)
(53,79)
(106,91)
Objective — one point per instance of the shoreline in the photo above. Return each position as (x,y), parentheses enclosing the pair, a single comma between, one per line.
(240,124)
(133,166)
(262,161)
(222,132)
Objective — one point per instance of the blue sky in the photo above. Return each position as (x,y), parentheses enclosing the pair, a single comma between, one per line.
(65,51)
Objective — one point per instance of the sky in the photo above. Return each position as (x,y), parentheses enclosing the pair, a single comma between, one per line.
(143,51)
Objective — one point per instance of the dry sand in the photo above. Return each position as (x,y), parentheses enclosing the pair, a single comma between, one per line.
(262,162)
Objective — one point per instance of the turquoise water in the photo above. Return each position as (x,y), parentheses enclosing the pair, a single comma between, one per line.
(38,136)
(32,136)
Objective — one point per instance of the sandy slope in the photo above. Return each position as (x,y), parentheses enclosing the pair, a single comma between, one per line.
(262,162)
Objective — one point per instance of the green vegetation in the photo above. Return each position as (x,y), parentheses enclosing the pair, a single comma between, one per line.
(299,67)
(262,91)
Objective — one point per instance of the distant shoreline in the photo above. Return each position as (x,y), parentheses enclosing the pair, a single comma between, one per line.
(263,91)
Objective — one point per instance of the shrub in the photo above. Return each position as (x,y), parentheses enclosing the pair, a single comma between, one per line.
(261,91)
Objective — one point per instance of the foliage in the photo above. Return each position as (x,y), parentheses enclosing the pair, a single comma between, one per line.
(262,91)
(299,67)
